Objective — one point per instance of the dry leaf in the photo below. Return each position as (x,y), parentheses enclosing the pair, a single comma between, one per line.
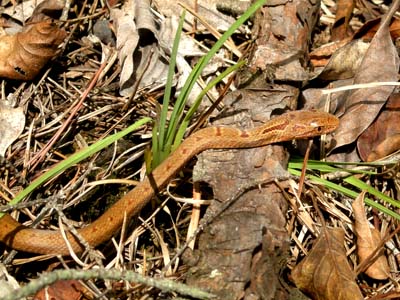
(345,62)
(132,18)
(380,63)
(382,138)
(47,9)
(325,273)
(63,290)
(142,49)
(367,240)
(32,11)
(23,55)
(207,9)
(389,145)
(321,56)
(368,30)
(23,10)
(12,121)
(127,41)
(341,28)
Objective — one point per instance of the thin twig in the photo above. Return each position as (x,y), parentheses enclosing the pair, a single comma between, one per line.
(49,278)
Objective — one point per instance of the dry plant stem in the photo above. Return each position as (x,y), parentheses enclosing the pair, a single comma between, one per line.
(41,155)
(320,215)
(292,125)
(204,116)
(304,168)
(196,9)
(388,17)
(162,284)
(195,217)
(229,43)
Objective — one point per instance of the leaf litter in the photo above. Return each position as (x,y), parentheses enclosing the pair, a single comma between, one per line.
(54,92)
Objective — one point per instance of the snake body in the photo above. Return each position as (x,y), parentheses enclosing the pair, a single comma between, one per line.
(289,126)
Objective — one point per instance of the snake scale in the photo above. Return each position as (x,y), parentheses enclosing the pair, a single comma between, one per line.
(286,127)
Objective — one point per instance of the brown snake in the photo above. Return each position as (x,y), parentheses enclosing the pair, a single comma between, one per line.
(292,125)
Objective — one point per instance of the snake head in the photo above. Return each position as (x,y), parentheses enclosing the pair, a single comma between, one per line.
(305,124)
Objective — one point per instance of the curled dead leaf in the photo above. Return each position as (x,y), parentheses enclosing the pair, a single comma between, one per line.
(368,239)
(325,273)
(23,55)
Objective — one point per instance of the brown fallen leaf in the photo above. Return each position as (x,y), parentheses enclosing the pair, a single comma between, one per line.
(45,9)
(320,56)
(12,122)
(341,28)
(64,290)
(368,30)
(345,62)
(23,55)
(380,63)
(382,138)
(367,241)
(387,146)
(325,273)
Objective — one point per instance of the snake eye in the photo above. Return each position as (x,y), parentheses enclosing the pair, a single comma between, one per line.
(319,128)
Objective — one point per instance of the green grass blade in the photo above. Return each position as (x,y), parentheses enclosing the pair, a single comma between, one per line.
(347,192)
(155,157)
(194,75)
(294,168)
(195,106)
(158,133)
(362,186)
(170,78)
(327,167)
(74,159)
